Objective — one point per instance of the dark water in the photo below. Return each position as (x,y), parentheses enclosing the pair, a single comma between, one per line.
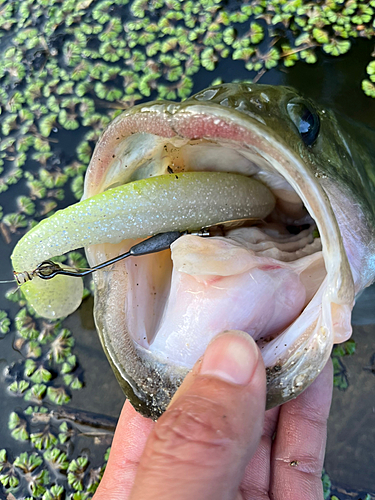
(350,454)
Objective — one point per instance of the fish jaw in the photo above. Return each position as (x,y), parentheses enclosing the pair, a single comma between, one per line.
(142,133)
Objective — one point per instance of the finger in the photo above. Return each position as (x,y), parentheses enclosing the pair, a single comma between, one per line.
(299,447)
(200,447)
(127,447)
(256,481)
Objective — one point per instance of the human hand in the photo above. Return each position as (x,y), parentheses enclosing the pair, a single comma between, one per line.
(209,443)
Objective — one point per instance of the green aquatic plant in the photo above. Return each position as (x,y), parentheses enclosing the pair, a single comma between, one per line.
(340,378)
(18,426)
(68,68)
(8,473)
(4,322)
(326,485)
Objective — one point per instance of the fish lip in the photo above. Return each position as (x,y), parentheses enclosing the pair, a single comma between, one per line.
(212,121)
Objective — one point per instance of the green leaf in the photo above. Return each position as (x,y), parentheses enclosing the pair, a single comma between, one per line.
(57,459)
(337,47)
(36,393)
(77,186)
(320,35)
(4,322)
(18,387)
(209,59)
(345,349)
(40,375)
(58,395)
(309,56)
(43,440)
(371,71)
(18,427)
(55,493)
(256,33)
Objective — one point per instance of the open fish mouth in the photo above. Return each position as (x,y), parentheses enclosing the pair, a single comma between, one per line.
(286,272)
(284,279)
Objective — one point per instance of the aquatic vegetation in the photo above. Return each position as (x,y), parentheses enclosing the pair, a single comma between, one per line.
(108,50)
(48,372)
(340,379)
(68,68)
(4,322)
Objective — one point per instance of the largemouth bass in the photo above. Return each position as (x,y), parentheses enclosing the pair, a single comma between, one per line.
(302,181)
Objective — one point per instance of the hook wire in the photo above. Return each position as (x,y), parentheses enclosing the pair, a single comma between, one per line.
(161,241)
(157,243)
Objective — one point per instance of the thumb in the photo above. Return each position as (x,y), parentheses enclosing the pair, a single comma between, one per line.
(201,445)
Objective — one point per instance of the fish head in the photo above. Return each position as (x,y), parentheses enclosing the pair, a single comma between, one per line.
(289,280)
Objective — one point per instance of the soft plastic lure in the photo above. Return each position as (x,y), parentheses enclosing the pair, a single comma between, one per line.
(161,204)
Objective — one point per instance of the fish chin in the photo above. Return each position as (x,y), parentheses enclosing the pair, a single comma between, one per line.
(293,293)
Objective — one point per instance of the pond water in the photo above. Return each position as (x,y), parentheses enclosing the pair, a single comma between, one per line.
(74,403)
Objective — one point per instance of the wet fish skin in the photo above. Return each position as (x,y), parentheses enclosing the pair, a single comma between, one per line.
(341,161)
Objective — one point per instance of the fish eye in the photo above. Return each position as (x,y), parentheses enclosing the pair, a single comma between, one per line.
(305,119)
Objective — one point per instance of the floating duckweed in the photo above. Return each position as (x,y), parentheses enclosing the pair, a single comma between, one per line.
(83,88)
(55,493)
(58,395)
(43,440)
(75,169)
(77,186)
(368,88)
(61,346)
(33,350)
(8,477)
(18,387)
(14,221)
(7,143)
(309,56)
(37,188)
(26,205)
(336,47)
(47,124)
(69,365)
(30,367)
(340,378)
(18,426)
(209,59)
(72,381)
(81,71)
(65,433)
(256,33)
(76,471)
(68,120)
(57,459)
(19,161)
(244,53)
(42,157)
(9,123)
(371,71)
(24,143)
(36,393)
(65,88)
(41,145)
(52,179)
(25,325)
(4,322)
(41,374)
(289,56)
(28,463)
